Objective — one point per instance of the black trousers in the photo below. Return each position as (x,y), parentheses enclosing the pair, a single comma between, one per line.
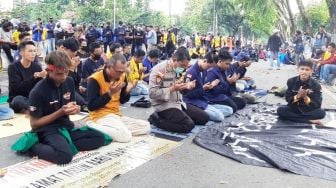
(236,103)
(292,114)
(7,48)
(55,148)
(80,100)
(19,104)
(175,120)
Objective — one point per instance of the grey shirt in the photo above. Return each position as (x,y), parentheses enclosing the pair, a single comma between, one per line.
(6,36)
(160,79)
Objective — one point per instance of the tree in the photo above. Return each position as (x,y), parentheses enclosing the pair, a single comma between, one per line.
(303,13)
(194,19)
(332,13)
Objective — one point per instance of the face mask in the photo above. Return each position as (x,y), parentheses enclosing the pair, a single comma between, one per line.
(179,70)
(84,48)
(96,57)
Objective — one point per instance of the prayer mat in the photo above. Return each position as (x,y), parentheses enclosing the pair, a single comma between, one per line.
(88,169)
(255,136)
(21,123)
(155,131)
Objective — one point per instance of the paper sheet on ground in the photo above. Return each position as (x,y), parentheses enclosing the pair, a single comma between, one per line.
(88,169)
(20,124)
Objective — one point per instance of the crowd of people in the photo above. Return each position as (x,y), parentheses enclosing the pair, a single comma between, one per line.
(98,70)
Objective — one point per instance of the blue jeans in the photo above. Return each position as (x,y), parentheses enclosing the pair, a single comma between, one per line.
(218,112)
(326,70)
(247,83)
(273,54)
(140,89)
(50,45)
(6,113)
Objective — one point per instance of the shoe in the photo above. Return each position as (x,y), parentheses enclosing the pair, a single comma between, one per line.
(270,68)
(278,68)
(154,118)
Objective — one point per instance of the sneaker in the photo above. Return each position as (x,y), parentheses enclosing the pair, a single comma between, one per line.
(278,68)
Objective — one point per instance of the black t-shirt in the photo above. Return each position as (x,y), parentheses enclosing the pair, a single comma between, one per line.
(21,80)
(89,67)
(46,98)
(137,35)
(129,36)
(159,36)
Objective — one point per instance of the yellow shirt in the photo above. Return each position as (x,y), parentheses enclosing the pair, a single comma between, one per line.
(202,52)
(198,41)
(134,74)
(172,36)
(326,55)
(217,41)
(44,34)
(108,55)
(113,106)
(15,36)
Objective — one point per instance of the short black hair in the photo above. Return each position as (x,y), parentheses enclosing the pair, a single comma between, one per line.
(23,35)
(6,24)
(224,55)
(211,57)
(59,42)
(58,59)
(114,46)
(126,45)
(71,44)
(154,53)
(333,45)
(181,54)
(305,63)
(93,46)
(23,45)
(139,53)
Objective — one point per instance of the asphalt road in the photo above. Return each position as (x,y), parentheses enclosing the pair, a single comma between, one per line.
(192,166)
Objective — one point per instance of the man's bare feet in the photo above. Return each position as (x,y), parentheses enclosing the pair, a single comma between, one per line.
(317,122)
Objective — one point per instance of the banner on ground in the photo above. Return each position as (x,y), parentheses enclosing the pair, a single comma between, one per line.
(88,169)
(255,136)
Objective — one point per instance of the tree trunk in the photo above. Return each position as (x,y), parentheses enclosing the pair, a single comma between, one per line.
(291,17)
(304,16)
(332,13)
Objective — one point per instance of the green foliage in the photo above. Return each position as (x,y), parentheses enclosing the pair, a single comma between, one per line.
(86,11)
(43,10)
(93,11)
(195,19)
(318,15)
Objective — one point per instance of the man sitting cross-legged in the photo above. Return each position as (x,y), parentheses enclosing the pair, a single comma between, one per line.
(107,89)
(51,102)
(304,97)
(22,77)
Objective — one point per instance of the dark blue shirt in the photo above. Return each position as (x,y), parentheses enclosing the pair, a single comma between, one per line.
(149,65)
(50,32)
(235,68)
(197,95)
(222,90)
